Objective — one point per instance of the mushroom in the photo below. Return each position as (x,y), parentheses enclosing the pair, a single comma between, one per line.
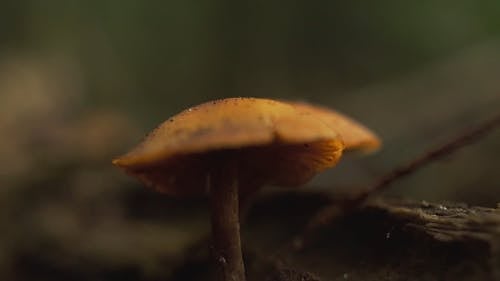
(355,135)
(228,149)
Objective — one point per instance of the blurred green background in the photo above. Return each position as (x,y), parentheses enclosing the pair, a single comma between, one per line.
(82,81)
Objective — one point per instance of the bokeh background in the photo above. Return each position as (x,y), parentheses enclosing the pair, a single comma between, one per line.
(82,81)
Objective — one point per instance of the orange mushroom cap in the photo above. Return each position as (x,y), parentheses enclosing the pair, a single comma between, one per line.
(355,135)
(270,141)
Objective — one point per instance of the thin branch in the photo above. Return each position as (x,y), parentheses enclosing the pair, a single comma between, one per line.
(468,137)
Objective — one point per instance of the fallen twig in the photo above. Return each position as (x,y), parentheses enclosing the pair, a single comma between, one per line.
(466,138)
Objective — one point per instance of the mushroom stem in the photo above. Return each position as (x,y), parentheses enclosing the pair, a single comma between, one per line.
(226,225)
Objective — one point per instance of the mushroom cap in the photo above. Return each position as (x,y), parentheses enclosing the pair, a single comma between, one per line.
(356,137)
(272,142)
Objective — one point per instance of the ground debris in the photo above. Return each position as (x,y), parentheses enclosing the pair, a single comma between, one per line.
(449,221)
(386,239)
(390,239)
(292,275)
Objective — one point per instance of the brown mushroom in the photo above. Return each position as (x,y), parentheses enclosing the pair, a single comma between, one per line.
(228,148)
(355,135)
